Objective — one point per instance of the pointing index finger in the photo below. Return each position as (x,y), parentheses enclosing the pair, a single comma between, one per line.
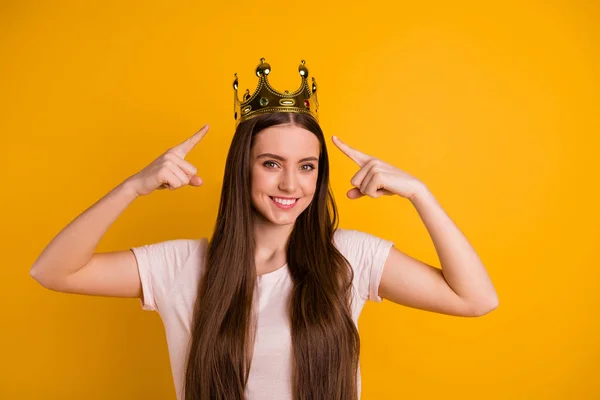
(358,157)
(188,144)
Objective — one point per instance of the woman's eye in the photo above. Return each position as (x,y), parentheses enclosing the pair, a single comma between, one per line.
(309,165)
(268,162)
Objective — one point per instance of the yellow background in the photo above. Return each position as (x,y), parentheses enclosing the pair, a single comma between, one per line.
(493,105)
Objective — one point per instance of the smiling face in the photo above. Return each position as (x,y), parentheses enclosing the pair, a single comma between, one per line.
(285,162)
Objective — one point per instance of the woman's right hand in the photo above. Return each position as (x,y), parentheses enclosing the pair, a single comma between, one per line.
(169,170)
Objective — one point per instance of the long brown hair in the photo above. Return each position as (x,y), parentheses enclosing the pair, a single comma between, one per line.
(325,340)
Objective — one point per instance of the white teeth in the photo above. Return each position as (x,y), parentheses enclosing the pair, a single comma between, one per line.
(284,202)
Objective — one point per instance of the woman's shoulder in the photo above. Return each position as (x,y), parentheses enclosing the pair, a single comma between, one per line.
(172,251)
(367,254)
(343,232)
(180,244)
(348,237)
(191,247)
(357,243)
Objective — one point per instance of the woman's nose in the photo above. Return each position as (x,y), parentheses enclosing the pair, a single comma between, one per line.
(288,180)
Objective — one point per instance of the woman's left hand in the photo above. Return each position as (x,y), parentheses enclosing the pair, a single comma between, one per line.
(376,178)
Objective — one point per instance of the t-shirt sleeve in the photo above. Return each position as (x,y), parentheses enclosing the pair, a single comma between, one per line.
(159,265)
(368,254)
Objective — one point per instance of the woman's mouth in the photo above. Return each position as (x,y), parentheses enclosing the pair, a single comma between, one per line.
(284,204)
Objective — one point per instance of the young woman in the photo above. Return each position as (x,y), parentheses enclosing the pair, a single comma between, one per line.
(268,307)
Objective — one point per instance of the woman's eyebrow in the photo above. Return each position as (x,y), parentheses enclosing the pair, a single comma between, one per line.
(275,156)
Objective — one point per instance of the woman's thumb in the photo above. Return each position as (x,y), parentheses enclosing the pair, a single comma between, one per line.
(196,181)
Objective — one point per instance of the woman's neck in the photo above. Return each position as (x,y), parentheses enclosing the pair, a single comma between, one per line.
(271,239)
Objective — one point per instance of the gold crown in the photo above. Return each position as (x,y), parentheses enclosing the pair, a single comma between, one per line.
(268,100)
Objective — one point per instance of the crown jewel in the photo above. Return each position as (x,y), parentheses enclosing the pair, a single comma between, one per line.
(268,100)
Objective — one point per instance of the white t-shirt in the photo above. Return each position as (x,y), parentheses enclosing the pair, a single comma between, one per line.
(170,271)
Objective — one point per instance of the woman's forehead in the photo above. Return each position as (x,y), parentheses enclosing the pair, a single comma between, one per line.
(286,140)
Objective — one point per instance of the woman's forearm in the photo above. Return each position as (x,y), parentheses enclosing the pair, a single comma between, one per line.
(461,266)
(74,245)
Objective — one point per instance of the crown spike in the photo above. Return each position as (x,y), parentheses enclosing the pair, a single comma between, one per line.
(263,68)
(303,70)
